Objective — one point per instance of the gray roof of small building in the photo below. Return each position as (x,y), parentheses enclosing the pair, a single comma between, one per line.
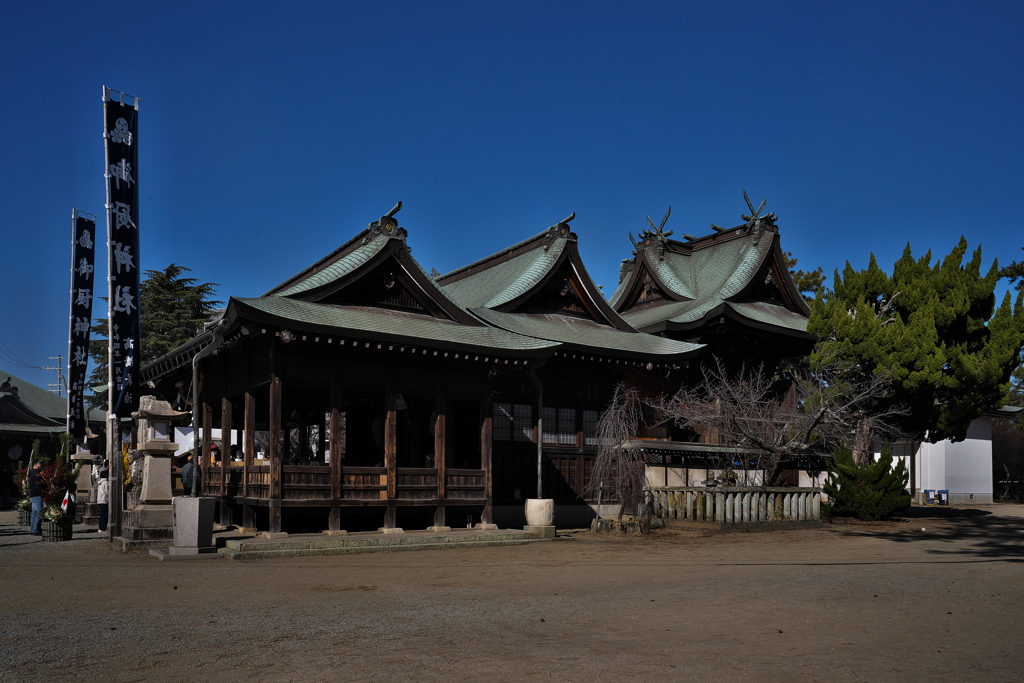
(37,399)
(42,405)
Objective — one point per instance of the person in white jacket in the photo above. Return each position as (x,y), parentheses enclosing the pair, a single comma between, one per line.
(103,499)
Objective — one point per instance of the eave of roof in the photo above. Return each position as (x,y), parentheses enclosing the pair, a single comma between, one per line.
(691,315)
(402,327)
(586,335)
(21,429)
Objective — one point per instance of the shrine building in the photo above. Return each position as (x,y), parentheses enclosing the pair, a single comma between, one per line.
(365,393)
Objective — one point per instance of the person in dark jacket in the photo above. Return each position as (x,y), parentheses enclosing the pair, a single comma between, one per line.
(35,494)
(187,473)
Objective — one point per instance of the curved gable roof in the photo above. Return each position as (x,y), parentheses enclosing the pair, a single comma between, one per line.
(512,278)
(671,284)
(341,274)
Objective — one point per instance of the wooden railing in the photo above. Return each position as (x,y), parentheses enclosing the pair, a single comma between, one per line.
(736,505)
(304,482)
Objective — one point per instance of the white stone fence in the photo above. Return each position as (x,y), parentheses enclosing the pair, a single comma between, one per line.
(728,506)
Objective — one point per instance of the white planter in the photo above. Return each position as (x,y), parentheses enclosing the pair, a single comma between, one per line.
(540,512)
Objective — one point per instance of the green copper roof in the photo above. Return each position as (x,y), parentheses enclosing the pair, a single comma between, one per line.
(770,314)
(383,324)
(345,264)
(704,277)
(508,274)
(579,333)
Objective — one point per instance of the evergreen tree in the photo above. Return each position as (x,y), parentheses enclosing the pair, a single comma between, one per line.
(933,330)
(872,491)
(808,282)
(1014,272)
(174,309)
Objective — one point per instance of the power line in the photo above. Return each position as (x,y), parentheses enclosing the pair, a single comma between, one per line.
(8,354)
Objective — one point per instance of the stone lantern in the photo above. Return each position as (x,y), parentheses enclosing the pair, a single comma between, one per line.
(155,419)
(147,518)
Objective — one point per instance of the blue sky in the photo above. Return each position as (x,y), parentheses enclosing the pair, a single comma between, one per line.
(271,132)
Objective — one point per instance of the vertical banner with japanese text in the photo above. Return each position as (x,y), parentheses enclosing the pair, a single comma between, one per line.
(121,114)
(83,249)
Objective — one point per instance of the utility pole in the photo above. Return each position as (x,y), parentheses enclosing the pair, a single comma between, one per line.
(61,385)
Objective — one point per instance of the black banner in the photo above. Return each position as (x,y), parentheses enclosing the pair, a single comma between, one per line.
(122,173)
(83,251)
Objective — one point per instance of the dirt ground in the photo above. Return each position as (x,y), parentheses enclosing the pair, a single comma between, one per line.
(937,595)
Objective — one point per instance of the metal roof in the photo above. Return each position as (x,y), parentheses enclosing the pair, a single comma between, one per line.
(580,333)
(492,284)
(379,323)
(705,277)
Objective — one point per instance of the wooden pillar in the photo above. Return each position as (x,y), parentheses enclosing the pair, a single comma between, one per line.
(225,459)
(275,454)
(248,439)
(206,461)
(391,457)
(248,450)
(441,457)
(334,523)
(485,459)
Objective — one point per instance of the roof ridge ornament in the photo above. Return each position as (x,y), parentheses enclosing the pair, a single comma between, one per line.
(656,235)
(386,225)
(560,230)
(756,220)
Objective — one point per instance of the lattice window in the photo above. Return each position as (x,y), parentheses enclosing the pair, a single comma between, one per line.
(522,422)
(512,422)
(590,428)
(560,426)
(501,429)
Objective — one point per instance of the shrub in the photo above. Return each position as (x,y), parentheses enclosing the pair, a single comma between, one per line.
(872,491)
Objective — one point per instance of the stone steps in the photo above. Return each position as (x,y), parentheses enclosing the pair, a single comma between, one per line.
(256,548)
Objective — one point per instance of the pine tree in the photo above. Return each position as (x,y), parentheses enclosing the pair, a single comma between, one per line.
(808,282)
(933,330)
(1014,272)
(174,309)
(872,491)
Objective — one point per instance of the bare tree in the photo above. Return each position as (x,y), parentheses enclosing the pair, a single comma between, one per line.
(771,418)
(620,472)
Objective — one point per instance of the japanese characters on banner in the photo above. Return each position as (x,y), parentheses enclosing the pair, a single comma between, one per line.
(122,147)
(83,251)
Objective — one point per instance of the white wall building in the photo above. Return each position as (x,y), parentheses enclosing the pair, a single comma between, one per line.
(964,468)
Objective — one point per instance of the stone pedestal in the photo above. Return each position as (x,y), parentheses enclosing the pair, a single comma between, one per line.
(545,531)
(193,530)
(193,525)
(144,525)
